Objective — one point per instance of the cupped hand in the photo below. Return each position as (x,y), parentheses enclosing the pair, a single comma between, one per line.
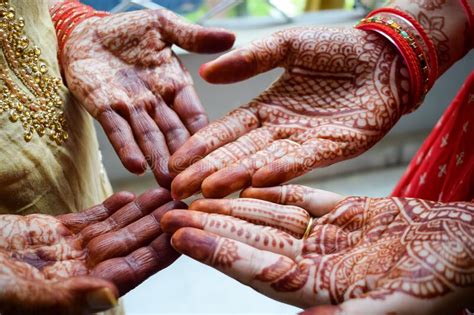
(123,70)
(82,262)
(341,92)
(368,255)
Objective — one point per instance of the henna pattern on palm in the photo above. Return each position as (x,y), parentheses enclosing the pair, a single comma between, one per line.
(342,91)
(123,70)
(78,263)
(364,249)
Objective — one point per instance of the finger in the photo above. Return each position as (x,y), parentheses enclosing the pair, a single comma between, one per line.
(290,219)
(274,275)
(190,180)
(215,135)
(153,145)
(261,237)
(170,125)
(189,108)
(121,137)
(77,295)
(77,221)
(259,56)
(140,207)
(311,154)
(192,37)
(316,201)
(129,271)
(135,235)
(239,175)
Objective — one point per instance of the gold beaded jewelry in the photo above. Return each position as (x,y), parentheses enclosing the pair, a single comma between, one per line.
(40,107)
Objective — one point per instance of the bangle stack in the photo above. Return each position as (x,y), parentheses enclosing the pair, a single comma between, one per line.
(66,15)
(416,48)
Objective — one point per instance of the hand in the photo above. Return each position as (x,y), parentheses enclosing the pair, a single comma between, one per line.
(80,263)
(341,92)
(369,255)
(124,72)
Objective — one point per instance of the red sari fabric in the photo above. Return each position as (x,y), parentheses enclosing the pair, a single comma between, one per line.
(443,168)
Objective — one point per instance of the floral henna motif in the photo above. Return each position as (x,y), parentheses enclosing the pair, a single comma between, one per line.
(226,255)
(430,5)
(342,90)
(421,248)
(434,26)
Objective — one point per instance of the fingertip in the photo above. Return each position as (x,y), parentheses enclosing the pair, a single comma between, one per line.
(135,163)
(226,181)
(195,243)
(266,193)
(169,221)
(215,41)
(179,189)
(190,152)
(234,66)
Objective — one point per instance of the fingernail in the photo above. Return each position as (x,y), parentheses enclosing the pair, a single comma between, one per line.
(101,299)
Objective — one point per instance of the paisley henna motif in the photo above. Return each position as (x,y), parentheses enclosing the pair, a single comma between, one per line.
(364,248)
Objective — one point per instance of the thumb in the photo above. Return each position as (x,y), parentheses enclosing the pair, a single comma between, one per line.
(76,295)
(193,37)
(89,293)
(259,56)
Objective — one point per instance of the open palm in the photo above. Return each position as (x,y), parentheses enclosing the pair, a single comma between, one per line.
(124,72)
(80,263)
(369,255)
(341,92)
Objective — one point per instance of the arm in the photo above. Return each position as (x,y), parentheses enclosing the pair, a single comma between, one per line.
(446,23)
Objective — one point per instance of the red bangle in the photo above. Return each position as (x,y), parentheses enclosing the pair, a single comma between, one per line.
(433,57)
(399,38)
(66,15)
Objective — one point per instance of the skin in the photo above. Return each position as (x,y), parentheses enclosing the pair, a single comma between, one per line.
(124,72)
(363,256)
(82,262)
(341,92)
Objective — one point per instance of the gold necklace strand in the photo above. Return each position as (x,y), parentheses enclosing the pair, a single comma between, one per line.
(42,110)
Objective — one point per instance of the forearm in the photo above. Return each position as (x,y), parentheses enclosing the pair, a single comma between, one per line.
(445,22)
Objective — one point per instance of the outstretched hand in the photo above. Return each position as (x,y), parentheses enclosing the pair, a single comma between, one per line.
(369,255)
(341,92)
(123,70)
(82,262)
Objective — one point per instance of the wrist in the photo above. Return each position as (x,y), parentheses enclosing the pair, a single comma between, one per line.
(411,51)
(66,16)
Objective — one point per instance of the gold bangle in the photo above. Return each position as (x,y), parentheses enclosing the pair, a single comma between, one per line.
(308,228)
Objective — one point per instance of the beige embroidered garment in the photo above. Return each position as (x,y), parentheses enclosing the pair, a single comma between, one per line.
(41,176)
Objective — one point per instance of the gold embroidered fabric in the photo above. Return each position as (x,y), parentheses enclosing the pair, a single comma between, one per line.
(38,107)
(40,176)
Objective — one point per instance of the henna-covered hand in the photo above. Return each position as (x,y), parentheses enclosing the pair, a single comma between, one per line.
(341,92)
(123,70)
(369,255)
(80,263)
